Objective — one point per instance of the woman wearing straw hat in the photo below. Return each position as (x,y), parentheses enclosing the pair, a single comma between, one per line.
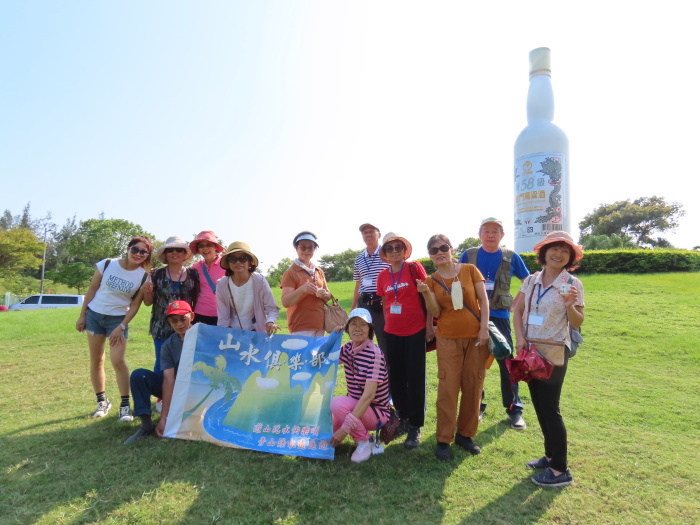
(548,302)
(243,298)
(405,325)
(210,271)
(367,401)
(304,289)
(173,282)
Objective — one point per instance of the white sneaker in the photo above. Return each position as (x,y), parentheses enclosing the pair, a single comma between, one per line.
(102,408)
(159,406)
(125,415)
(362,452)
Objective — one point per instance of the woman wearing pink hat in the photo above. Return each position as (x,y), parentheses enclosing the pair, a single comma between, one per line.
(548,302)
(210,271)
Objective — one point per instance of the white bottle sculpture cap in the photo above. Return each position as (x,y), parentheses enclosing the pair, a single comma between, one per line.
(539,62)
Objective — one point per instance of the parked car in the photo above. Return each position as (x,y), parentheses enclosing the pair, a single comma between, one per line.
(48,301)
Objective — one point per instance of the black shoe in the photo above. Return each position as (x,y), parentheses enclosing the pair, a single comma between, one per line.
(536,464)
(141,432)
(402,428)
(467,444)
(443,452)
(413,438)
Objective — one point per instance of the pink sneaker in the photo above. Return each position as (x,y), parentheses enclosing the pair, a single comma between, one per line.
(362,452)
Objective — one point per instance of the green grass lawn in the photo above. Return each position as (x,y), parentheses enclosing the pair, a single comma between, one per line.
(629,401)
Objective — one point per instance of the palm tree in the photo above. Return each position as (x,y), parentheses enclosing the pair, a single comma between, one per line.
(218,378)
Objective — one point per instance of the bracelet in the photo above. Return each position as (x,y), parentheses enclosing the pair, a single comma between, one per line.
(122,327)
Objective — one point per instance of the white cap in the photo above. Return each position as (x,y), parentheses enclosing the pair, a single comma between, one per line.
(362,314)
(539,62)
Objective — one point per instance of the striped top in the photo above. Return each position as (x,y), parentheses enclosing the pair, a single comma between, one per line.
(362,364)
(367,268)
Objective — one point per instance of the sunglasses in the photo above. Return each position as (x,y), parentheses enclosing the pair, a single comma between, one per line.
(398,248)
(241,259)
(175,250)
(443,248)
(134,251)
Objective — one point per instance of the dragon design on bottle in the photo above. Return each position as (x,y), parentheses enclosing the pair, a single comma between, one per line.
(551,166)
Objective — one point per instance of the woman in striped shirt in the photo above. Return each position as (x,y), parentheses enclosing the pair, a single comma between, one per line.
(367,402)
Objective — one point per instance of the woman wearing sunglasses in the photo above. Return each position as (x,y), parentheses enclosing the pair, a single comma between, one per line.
(304,289)
(171,283)
(111,301)
(210,271)
(244,299)
(456,295)
(405,333)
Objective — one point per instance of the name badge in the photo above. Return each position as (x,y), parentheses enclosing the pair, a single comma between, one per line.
(366,282)
(489,285)
(395,308)
(535,319)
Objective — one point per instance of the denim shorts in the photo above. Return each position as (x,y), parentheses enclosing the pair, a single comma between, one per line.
(99,324)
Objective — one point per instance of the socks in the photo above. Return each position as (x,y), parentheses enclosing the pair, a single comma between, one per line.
(101,396)
(146,422)
(125,401)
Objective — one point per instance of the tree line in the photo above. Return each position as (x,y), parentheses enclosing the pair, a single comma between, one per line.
(69,252)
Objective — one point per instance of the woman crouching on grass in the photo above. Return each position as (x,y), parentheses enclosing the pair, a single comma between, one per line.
(548,302)
(111,302)
(367,402)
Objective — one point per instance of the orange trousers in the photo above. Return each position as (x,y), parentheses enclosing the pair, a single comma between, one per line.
(461,368)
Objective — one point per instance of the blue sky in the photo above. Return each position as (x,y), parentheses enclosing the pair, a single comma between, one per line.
(261,119)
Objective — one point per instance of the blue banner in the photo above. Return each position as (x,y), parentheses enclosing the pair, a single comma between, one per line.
(249,390)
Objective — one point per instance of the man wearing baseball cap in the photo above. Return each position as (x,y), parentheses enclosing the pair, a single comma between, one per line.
(368,265)
(498,265)
(147,383)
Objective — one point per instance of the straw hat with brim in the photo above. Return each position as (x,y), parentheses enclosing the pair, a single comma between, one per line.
(174,242)
(206,236)
(362,313)
(237,247)
(391,236)
(560,236)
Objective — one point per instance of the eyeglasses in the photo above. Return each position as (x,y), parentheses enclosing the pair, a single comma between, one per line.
(443,248)
(388,248)
(241,259)
(175,250)
(134,250)
(306,248)
(204,245)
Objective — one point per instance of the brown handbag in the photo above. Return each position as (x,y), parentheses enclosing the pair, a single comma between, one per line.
(333,315)
(553,351)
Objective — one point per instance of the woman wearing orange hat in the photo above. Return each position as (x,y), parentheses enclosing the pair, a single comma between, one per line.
(210,271)
(548,302)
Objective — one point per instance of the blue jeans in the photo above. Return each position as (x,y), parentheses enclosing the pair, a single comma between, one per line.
(158,343)
(509,391)
(100,324)
(144,384)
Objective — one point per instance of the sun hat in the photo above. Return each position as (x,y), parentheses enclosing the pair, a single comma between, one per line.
(206,236)
(178,308)
(367,225)
(237,247)
(305,236)
(560,236)
(493,220)
(391,236)
(174,242)
(362,313)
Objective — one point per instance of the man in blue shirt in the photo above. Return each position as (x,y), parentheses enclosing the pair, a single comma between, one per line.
(498,266)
